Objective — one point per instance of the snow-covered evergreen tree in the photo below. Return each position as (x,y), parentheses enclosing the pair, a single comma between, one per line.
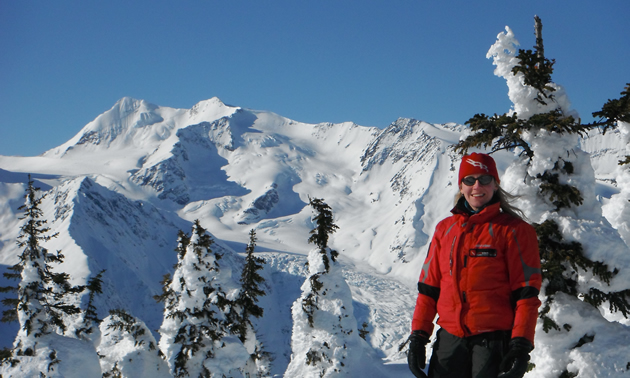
(250,283)
(325,340)
(258,365)
(582,256)
(196,337)
(46,303)
(128,349)
(89,327)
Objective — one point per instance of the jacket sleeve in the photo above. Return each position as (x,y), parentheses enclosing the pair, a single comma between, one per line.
(525,279)
(428,290)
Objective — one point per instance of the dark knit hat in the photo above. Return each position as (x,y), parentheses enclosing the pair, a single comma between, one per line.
(478,164)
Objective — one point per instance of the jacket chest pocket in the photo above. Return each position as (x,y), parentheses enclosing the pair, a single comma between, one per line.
(486,270)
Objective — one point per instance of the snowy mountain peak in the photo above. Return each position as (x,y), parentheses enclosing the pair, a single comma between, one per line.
(406,140)
(128,123)
(128,105)
(210,110)
(138,124)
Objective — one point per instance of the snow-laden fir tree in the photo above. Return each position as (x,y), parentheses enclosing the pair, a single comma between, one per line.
(197,337)
(584,261)
(88,329)
(46,305)
(128,349)
(258,365)
(250,285)
(325,339)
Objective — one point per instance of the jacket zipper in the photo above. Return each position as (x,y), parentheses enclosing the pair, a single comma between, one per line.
(451,257)
(463,298)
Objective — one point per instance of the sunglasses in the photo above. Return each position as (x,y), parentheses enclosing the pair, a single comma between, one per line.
(483,180)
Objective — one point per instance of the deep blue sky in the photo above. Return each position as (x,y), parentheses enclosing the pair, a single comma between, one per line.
(62,63)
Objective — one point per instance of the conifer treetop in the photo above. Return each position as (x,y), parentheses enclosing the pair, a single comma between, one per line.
(324,228)
(34,229)
(536,68)
(513,130)
(324,220)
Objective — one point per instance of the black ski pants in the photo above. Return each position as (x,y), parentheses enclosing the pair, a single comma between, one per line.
(476,356)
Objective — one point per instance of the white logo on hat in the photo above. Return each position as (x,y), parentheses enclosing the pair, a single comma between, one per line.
(478,164)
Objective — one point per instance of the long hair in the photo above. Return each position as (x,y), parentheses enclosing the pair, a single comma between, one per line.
(506,200)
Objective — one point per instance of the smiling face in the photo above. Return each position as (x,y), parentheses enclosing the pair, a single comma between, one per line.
(478,195)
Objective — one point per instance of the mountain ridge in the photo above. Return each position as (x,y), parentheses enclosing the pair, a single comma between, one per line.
(230,140)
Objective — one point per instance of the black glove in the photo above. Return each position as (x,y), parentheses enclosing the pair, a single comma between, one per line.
(416,358)
(514,364)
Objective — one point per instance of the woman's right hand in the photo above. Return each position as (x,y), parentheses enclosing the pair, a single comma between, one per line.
(417,355)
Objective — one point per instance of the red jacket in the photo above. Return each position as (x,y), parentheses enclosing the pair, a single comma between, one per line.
(481,274)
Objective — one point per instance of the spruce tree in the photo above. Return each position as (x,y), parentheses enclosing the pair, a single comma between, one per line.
(250,286)
(559,258)
(319,236)
(247,301)
(43,296)
(169,296)
(555,179)
(325,227)
(196,329)
(45,301)
(90,317)
(326,341)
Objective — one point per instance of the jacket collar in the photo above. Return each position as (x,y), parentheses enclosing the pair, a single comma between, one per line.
(488,212)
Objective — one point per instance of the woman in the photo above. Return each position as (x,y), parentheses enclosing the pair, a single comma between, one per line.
(482,278)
